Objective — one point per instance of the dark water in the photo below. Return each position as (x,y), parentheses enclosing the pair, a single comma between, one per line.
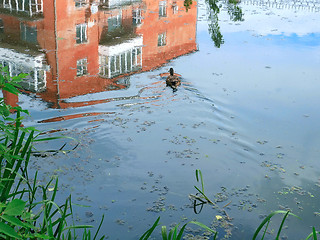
(246,113)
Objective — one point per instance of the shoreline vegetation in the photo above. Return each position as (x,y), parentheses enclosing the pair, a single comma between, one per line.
(24,216)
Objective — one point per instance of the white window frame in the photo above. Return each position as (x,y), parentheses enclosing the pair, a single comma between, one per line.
(162,39)
(82,67)
(83,38)
(162,8)
(137,16)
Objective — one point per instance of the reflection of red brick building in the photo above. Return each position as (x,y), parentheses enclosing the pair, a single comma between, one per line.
(75,47)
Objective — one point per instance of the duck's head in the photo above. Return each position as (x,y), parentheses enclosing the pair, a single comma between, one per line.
(171,71)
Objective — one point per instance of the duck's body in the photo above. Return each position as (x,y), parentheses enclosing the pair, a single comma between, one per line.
(173,81)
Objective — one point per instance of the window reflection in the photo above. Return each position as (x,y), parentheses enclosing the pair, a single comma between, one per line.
(114,22)
(136,16)
(30,7)
(121,63)
(162,9)
(81,33)
(1,27)
(80,3)
(162,39)
(34,82)
(82,67)
(28,34)
(175,8)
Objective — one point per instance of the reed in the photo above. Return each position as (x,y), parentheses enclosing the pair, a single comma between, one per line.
(174,233)
(22,215)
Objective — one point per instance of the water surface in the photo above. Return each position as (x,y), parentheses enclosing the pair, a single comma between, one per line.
(246,113)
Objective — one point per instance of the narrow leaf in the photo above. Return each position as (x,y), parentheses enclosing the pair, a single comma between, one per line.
(203,226)
(267,219)
(181,232)
(164,233)
(99,227)
(8,231)
(281,225)
(15,221)
(147,234)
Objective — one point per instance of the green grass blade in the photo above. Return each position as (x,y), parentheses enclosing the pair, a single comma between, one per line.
(8,231)
(202,193)
(264,222)
(99,227)
(181,231)
(147,234)
(55,189)
(16,132)
(19,144)
(203,226)
(267,219)
(313,234)
(174,230)
(198,172)
(281,225)
(78,227)
(27,144)
(265,230)
(164,233)
(215,236)
(52,138)
(62,221)
(12,171)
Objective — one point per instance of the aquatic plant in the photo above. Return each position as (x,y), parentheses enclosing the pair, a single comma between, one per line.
(174,234)
(266,221)
(22,216)
(202,197)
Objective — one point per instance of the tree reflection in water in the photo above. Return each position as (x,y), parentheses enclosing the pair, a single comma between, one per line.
(235,11)
(213,10)
(213,22)
(187,4)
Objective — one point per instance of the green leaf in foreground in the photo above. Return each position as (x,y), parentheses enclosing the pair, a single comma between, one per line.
(15,221)
(15,207)
(8,231)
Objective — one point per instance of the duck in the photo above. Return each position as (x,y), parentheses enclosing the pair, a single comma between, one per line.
(173,80)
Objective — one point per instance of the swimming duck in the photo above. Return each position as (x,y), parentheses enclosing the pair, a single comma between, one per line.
(173,80)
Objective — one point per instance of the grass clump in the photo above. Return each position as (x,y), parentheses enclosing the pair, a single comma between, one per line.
(174,233)
(203,199)
(23,214)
